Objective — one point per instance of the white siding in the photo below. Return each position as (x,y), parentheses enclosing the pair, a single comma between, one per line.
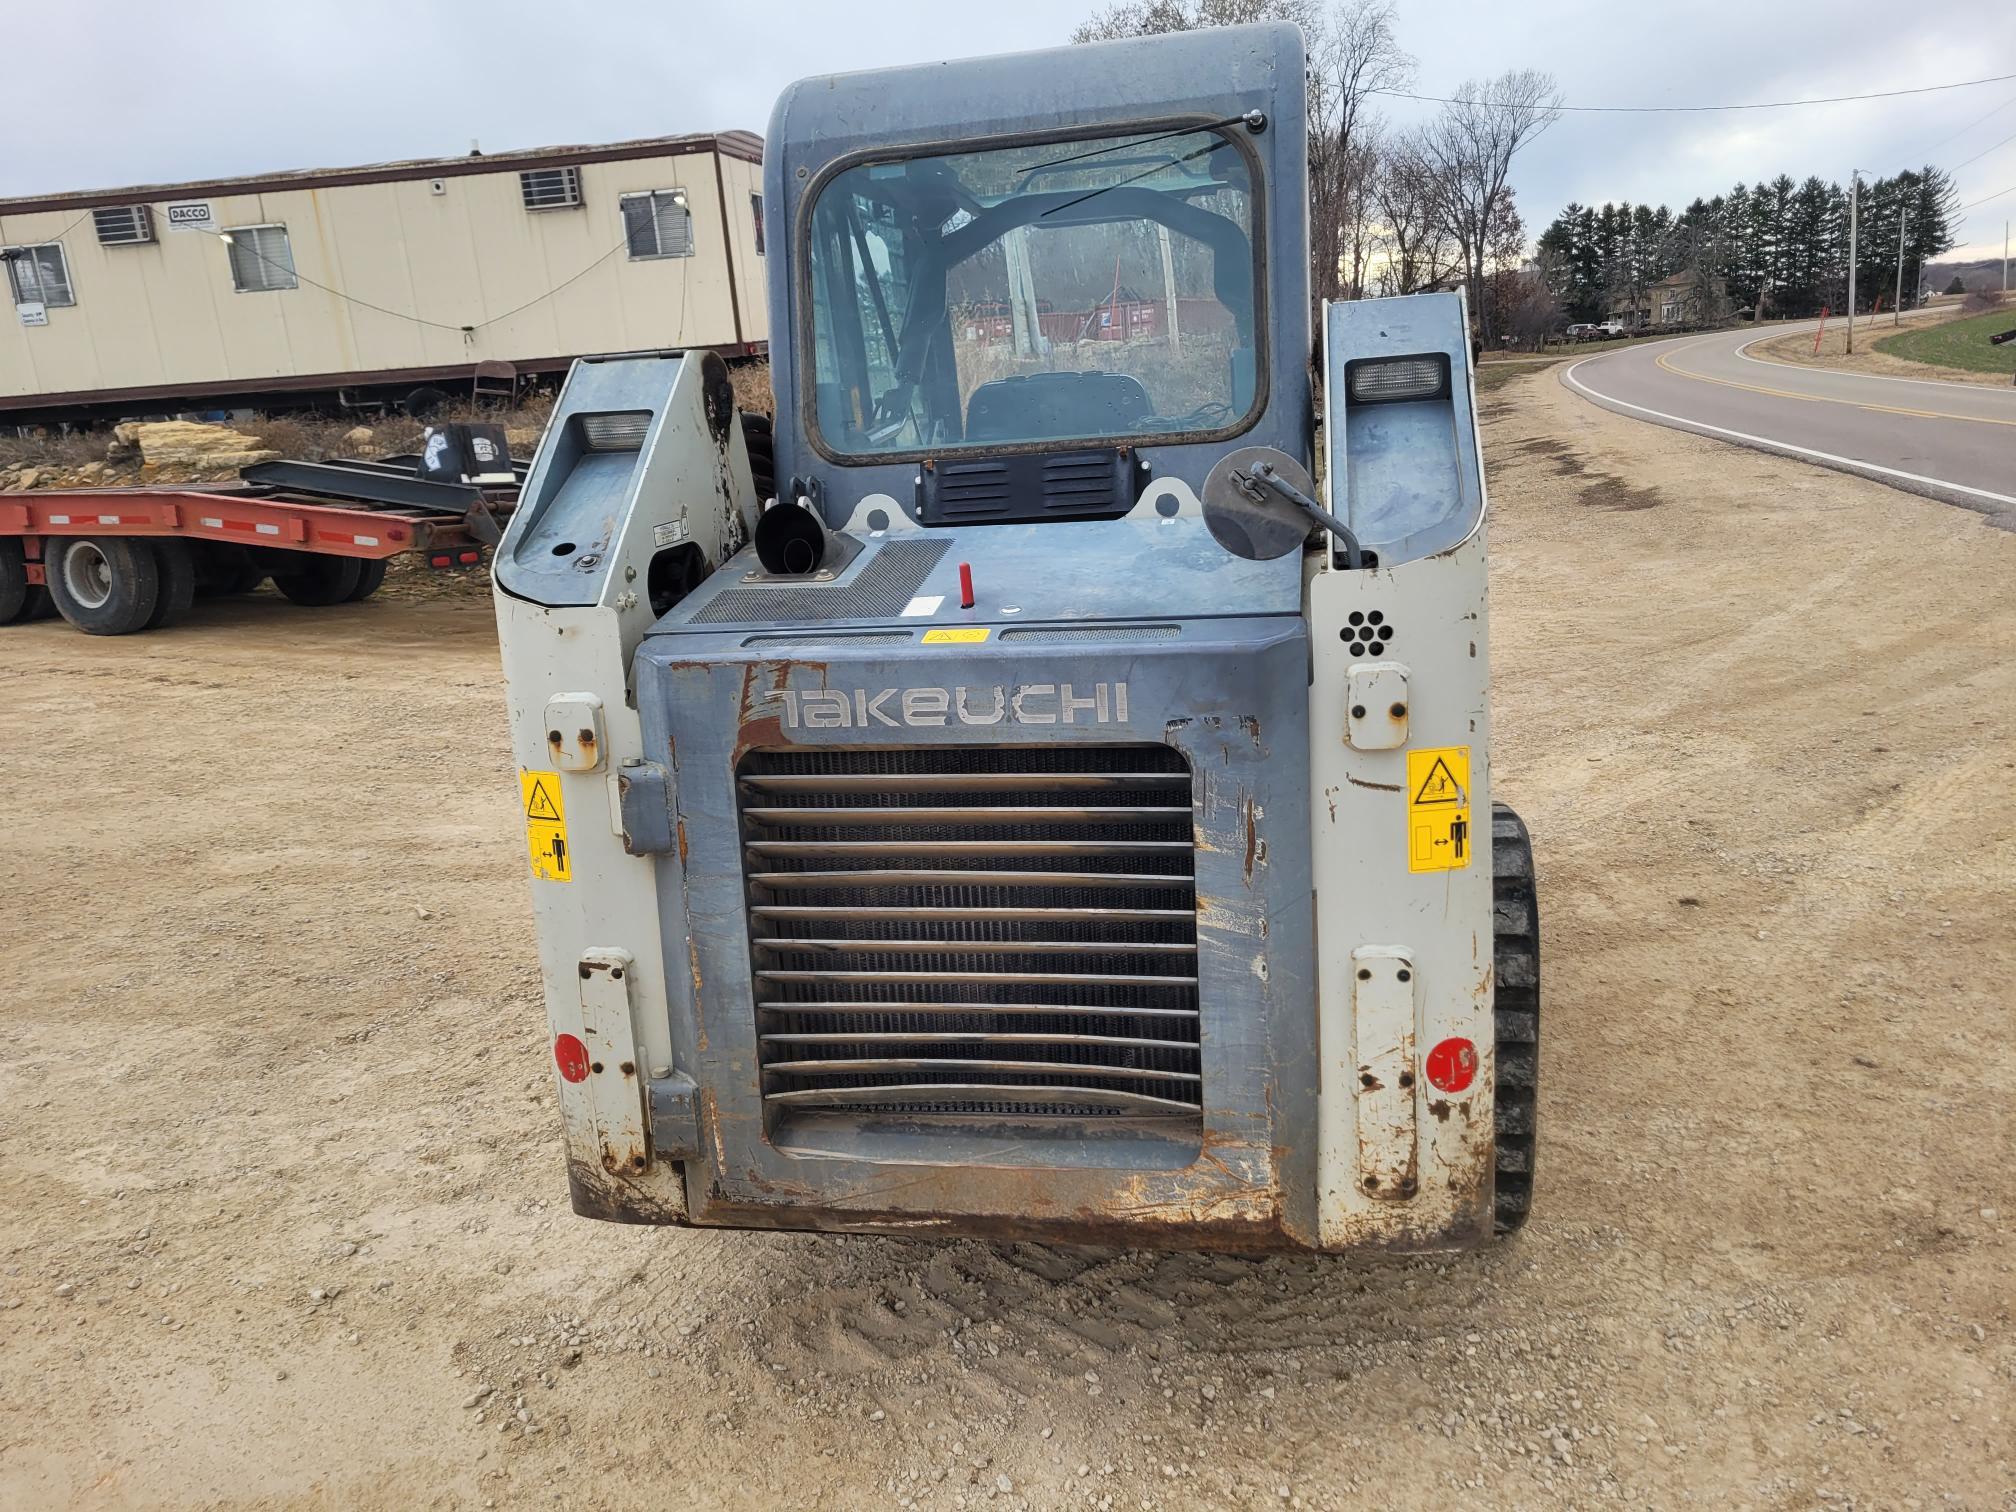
(536,285)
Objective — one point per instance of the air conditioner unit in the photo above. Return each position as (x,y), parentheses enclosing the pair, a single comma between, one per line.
(123,225)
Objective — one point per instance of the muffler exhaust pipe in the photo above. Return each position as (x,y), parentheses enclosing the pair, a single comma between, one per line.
(790,539)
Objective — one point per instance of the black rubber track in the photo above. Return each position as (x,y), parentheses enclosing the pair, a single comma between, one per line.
(1516,934)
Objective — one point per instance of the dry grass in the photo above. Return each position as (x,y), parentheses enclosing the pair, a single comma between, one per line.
(751,382)
(1177,381)
(313,438)
(54,449)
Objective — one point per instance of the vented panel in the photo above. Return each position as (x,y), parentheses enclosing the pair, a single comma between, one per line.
(828,637)
(123,225)
(880,590)
(550,188)
(1029,486)
(1059,634)
(985,931)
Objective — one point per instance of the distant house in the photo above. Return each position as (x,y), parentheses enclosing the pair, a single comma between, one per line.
(1680,299)
(1687,298)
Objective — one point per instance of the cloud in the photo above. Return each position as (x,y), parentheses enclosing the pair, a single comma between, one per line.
(120,93)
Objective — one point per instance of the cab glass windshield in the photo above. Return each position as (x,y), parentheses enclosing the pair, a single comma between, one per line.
(1092,290)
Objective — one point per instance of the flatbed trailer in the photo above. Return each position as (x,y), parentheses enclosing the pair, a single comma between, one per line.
(113,561)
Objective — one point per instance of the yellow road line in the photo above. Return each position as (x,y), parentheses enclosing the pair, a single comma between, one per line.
(1777,393)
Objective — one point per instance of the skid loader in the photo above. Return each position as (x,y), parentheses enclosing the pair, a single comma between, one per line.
(1008,796)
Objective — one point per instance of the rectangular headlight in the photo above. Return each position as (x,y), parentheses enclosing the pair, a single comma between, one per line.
(1387,380)
(621,430)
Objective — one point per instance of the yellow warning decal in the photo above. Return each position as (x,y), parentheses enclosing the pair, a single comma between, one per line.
(546,826)
(1438,809)
(963,635)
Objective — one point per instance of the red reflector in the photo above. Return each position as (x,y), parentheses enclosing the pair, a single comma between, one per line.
(1452,1065)
(441,561)
(472,556)
(571,1056)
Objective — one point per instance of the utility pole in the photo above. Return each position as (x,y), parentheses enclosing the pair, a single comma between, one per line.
(1897,305)
(1854,188)
(2005,257)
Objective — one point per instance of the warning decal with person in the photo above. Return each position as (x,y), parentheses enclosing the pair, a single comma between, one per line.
(1438,809)
(546,826)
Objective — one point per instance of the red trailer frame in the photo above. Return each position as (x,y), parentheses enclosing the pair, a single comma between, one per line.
(249,521)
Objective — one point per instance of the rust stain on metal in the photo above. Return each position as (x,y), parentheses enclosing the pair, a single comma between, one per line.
(699,999)
(682,839)
(1252,836)
(608,1195)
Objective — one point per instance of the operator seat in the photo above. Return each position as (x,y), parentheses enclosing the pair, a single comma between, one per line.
(1043,406)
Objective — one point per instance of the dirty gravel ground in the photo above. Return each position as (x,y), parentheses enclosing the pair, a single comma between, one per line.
(282,1216)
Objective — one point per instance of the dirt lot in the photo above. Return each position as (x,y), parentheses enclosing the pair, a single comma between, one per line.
(282,1216)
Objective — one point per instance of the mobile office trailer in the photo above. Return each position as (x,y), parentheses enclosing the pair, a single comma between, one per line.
(369,284)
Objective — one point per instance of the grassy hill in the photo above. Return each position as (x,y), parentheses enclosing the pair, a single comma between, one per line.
(1959,343)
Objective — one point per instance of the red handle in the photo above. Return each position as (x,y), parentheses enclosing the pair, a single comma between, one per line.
(965,585)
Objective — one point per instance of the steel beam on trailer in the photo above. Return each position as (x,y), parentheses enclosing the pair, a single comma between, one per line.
(370,484)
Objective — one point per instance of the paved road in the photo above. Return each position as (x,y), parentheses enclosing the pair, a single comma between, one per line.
(1950,441)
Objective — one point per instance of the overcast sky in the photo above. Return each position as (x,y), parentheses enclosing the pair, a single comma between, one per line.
(106,93)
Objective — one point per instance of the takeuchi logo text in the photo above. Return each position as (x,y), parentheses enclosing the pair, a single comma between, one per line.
(916,708)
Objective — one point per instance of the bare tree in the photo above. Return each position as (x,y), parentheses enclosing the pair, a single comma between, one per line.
(1470,147)
(1414,249)
(1353,55)
(1153,18)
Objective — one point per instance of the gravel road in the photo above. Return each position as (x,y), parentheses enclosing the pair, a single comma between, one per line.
(283,1219)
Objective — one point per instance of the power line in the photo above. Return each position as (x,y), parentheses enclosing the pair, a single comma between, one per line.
(1969,126)
(1987,197)
(1983,153)
(295,273)
(463,330)
(1883,94)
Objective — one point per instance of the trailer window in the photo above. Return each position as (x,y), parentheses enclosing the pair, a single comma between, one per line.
(39,274)
(261,259)
(1089,289)
(657,224)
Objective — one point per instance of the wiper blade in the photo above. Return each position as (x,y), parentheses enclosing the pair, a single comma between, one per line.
(1209,147)
(1251,118)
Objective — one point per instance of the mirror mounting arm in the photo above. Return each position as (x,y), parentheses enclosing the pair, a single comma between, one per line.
(1263,475)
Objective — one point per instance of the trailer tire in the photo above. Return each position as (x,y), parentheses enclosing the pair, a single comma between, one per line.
(224,571)
(319,580)
(178,582)
(104,585)
(17,598)
(424,401)
(370,578)
(1516,971)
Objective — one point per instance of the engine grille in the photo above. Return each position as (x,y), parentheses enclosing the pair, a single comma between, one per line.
(985,931)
